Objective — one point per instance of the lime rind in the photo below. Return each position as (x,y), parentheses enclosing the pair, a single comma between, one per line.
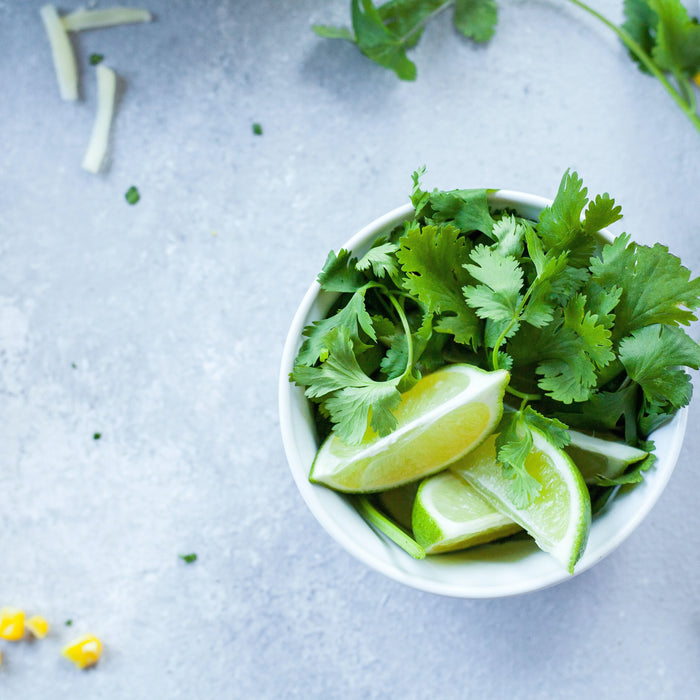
(470,522)
(597,457)
(486,476)
(358,469)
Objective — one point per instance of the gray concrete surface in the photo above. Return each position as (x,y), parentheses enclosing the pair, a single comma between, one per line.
(174,312)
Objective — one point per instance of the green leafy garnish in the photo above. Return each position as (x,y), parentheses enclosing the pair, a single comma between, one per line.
(589,330)
(96,58)
(132,195)
(96,436)
(257,129)
(659,35)
(385,32)
(188,558)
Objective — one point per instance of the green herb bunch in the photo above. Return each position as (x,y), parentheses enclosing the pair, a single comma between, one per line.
(659,35)
(589,330)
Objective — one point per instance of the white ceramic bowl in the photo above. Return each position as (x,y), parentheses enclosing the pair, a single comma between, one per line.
(489,571)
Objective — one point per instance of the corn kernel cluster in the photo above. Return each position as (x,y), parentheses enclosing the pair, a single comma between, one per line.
(83,652)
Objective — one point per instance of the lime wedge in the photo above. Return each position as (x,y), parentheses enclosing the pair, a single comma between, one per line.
(449,514)
(559,518)
(594,456)
(444,416)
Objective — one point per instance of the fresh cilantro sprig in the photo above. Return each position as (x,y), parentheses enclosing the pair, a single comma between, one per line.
(659,35)
(385,32)
(590,331)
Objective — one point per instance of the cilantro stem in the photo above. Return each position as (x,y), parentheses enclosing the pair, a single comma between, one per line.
(644,58)
(378,520)
(522,395)
(516,317)
(407,331)
(501,338)
(419,26)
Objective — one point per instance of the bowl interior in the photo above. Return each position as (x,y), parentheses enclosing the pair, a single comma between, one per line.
(494,570)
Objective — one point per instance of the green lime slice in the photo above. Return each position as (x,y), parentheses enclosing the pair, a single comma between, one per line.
(596,457)
(559,518)
(449,514)
(444,416)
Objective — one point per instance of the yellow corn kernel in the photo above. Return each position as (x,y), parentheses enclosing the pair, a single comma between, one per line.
(84,652)
(38,626)
(697,78)
(11,624)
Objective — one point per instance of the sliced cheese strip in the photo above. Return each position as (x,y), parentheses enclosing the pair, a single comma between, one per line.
(62,52)
(95,19)
(99,139)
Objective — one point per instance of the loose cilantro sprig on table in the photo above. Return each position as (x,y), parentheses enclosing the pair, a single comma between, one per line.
(659,35)
(384,33)
(589,330)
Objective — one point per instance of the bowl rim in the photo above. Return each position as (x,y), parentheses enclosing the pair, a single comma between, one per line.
(306,488)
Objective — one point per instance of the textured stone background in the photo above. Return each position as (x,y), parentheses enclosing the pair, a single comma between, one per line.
(174,312)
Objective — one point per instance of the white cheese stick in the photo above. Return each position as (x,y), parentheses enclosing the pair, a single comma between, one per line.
(95,19)
(62,52)
(99,139)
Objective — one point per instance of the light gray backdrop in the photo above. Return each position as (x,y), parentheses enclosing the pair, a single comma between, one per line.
(174,313)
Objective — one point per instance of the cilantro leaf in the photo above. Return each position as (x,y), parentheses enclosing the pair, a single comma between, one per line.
(640,24)
(419,197)
(476,19)
(514,444)
(604,410)
(351,397)
(340,273)
(602,302)
(677,38)
(556,431)
(96,58)
(651,356)
(381,259)
(468,210)
(432,259)
(566,282)
(188,558)
(567,352)
(509,234)
(601,212)
(352,317)
(407,18)
(379,43)
(560,224)
(656,288)
(498,297)
(385,32)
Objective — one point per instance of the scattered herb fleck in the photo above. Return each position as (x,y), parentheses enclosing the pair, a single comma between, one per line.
(73,365)
(132,195)
(68,623)
(257,129)
(96,58)
(188,558)
(97,436)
